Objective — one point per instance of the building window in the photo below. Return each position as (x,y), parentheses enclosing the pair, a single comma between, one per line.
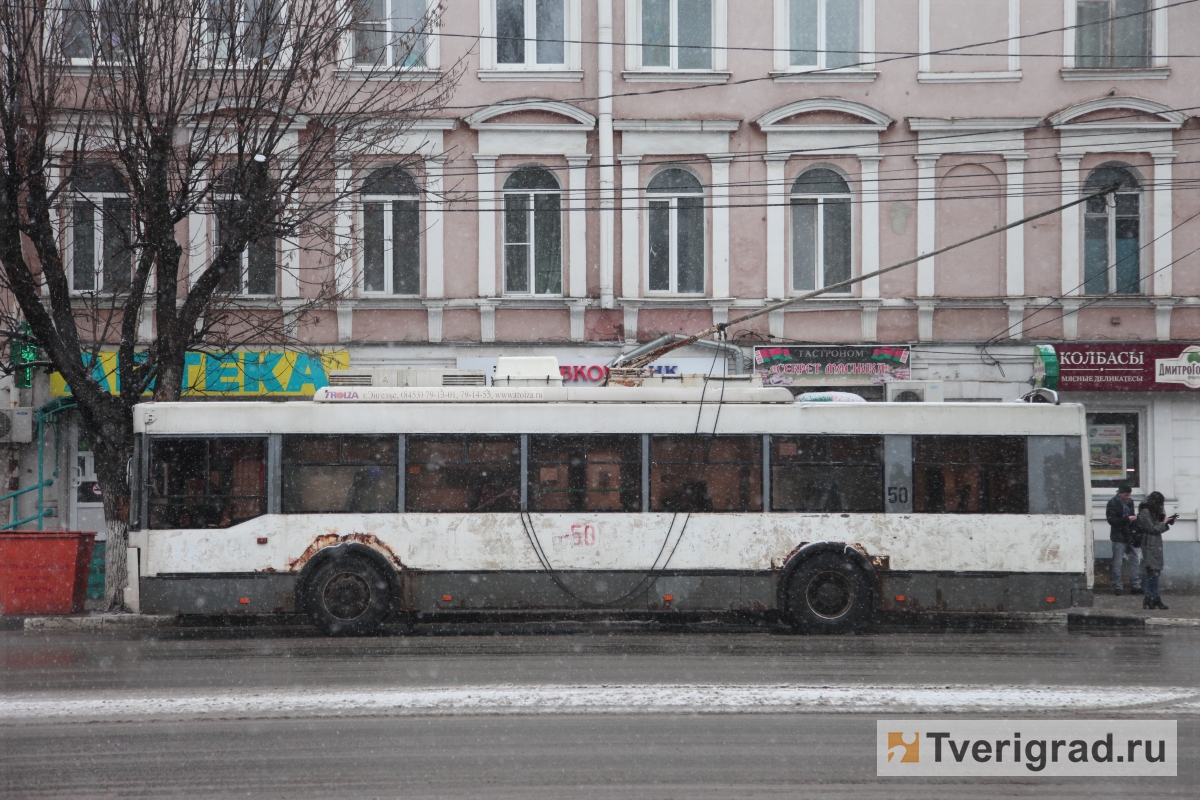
(677,34)
(821,242)
(676,233)
(1112,228)
(1114,449)
(101,247)
(94,29)
(532,233)
(824,34)
(246,30)
(391,33)
(1113,34)
(391,261)
(258,259)
(531,33)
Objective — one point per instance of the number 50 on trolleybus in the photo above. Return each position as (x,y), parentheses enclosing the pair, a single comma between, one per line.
(375,504)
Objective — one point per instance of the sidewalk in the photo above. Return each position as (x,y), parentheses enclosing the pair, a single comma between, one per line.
(1184,609)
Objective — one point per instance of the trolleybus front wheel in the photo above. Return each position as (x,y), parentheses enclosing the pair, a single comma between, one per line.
(348,596)
(828,594)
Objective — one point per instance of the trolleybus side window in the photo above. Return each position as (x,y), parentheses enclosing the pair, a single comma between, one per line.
(339,474)
(706,473)
(827,473)
(463,473)
(970,475)
(585,473)
(206,483)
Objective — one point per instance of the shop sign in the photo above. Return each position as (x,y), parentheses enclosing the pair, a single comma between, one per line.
(811,365)
(1133,367)
(590,372)
(243,373)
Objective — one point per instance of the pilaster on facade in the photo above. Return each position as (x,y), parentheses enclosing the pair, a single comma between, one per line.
(1070,319)
(487,224)
(925,310)
(435,227)
(869,166)
(870,320)
(1071,283)
(1163,306)
(1016,318)
(487,322)
(630,322)
(433,320)
(720,197)
(775,327)
(776,225)
(1163,249)
(1014,249)
(145,330)
(197,238)
(926,225)
(631,266)
(343,225)
(578,309)
(577,246)
(345,321)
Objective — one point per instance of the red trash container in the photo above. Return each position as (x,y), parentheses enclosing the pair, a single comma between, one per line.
(44,572)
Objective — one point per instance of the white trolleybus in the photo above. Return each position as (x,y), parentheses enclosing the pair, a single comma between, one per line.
(375,502)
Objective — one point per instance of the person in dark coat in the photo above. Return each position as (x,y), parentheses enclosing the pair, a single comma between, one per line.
(1124,537)
(1152,523)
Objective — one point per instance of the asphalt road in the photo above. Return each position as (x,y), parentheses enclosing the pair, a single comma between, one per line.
(524,753)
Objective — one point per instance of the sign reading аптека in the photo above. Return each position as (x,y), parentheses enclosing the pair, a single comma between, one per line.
(1010,748)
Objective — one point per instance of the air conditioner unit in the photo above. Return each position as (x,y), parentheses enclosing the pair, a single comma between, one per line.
(16,425)
(915,392)
(407,377)
(527,371)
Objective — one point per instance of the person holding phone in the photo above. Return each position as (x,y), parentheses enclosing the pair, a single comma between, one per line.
(1152,523)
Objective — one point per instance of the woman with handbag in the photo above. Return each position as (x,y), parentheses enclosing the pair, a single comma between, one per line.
(1152,523)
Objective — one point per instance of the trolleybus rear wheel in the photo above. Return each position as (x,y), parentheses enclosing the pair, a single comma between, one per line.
(828,594)
(348,596)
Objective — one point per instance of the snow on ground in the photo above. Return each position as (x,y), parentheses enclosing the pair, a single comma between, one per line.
(603,699)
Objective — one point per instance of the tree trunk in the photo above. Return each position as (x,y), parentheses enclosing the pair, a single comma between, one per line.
(113,450)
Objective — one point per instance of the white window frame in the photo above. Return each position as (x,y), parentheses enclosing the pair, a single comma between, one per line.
(633,37)
(673,235)
(432,46)
(244,257)
(570,70)
(281,54)
(531,232)
(1111,244)
(819,267)
(389,267)
(925,73)
(783,44)
(1159,48)
(94,201)
(94,9)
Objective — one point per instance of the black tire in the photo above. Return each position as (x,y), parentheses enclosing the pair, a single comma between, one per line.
(828,594)
(348,595)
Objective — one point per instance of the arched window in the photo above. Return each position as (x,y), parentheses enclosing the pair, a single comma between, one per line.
(259,261)
(1112,233)
(821,240)
(532,232)
(100,248)
(391,233)
(676,233)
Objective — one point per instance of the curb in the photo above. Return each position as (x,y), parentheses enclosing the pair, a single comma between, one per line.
(97,622)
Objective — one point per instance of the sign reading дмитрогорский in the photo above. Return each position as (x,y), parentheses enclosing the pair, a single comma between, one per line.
(1130,367)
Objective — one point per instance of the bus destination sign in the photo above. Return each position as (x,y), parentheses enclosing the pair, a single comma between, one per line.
(825,365)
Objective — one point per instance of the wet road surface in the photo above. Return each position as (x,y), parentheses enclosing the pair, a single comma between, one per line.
(661,755)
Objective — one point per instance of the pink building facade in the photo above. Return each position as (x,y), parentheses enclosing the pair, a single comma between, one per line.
(610,171)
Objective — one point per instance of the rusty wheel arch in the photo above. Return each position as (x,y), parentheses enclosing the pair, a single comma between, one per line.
(318,554)
(856,553)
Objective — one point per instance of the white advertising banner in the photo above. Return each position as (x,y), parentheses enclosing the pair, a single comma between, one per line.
(1029,748)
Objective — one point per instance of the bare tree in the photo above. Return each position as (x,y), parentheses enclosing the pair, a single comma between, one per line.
(121,118)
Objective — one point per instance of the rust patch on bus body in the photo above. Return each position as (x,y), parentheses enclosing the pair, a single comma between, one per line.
(333,538)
